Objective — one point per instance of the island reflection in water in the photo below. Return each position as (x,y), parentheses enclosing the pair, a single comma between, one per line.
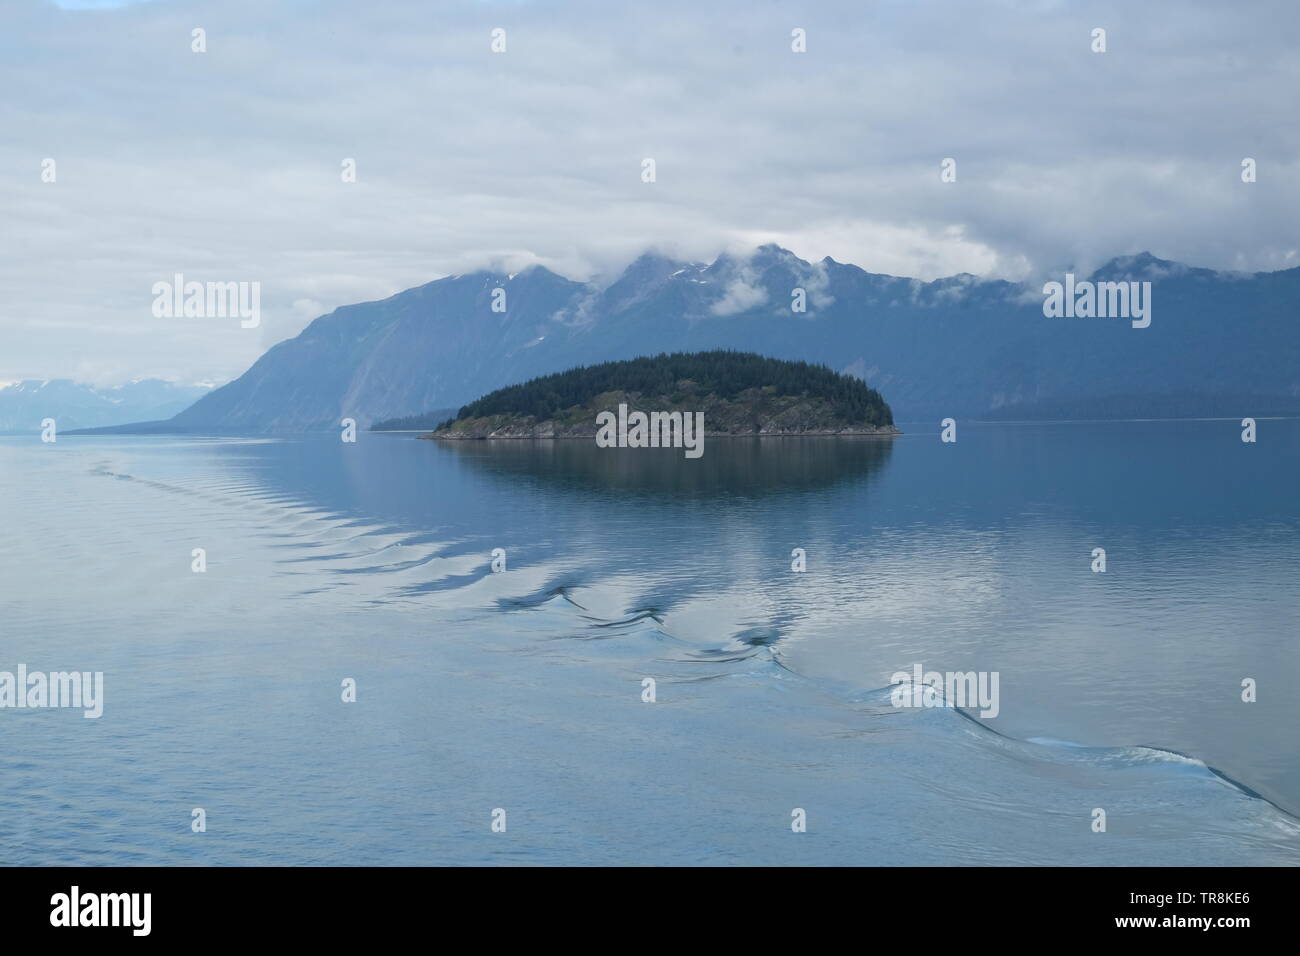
(729,467)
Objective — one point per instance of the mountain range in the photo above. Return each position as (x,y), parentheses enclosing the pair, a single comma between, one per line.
(23,405)
(1218,344)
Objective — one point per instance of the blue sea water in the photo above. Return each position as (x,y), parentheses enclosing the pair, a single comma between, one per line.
(522,690)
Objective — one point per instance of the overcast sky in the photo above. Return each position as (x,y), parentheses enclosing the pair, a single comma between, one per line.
(225,165)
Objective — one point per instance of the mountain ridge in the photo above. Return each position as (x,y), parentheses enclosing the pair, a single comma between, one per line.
(957,345)
(73,405)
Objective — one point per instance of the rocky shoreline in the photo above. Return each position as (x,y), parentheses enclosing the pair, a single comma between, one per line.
(482,429)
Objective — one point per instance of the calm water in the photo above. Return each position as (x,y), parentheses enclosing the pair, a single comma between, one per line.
(522,690)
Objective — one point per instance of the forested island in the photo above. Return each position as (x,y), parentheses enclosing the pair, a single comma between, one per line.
(738,393)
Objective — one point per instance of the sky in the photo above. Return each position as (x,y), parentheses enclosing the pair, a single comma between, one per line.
(226,165)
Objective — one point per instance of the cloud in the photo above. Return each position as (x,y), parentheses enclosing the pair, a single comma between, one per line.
(307,308)
(226,165)
(742,293)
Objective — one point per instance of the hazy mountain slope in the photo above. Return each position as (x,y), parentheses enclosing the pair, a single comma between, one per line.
(399,356)
(23,405)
